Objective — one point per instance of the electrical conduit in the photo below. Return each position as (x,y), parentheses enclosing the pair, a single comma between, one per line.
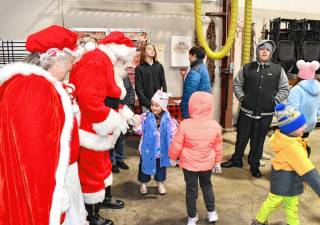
(231,32)
(246,38)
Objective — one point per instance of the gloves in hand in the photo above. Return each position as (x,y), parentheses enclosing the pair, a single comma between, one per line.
(217,168)
(173,163)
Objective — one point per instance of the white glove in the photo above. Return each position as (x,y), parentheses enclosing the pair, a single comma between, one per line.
(173,163)
(126,113)
(131,123)
(217,168)
(115,135)
(123,126)
(136,121)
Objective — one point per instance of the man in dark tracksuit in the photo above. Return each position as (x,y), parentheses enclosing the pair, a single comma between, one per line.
(258,86)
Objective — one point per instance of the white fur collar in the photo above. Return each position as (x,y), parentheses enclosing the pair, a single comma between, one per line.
(26,69)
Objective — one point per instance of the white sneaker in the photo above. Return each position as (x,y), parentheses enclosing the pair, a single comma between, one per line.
(262,163)
(143,188)
(193,221)
(212,216)
(266,156)
(161,188)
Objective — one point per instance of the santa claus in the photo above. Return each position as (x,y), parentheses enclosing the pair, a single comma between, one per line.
(99,88)
(38,132)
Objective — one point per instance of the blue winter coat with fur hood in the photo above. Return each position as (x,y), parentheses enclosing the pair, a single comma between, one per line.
(305,97)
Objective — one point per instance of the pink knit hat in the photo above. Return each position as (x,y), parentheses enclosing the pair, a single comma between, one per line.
(307,70)
(161,98)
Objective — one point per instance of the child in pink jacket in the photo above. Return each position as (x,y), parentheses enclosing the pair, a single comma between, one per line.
(198,145)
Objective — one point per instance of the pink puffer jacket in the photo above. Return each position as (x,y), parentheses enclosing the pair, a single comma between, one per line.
(198,141)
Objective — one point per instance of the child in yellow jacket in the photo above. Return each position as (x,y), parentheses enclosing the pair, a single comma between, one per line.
(290,167)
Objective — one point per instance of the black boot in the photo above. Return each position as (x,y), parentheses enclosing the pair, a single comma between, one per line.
(255,172)
(231,163)
(255,222)
(93,215)
(111,203)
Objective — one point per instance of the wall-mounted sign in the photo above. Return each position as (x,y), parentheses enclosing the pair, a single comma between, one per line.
(180,46)
(139,36)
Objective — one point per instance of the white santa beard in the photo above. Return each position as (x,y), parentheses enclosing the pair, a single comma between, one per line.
(119,70)
(119,74)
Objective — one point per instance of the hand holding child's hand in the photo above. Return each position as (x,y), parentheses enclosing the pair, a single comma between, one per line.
(136,120)
(217,168)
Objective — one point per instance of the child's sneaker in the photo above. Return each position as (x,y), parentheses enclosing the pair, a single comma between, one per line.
(143,188)
(193,221)
(266,156)
(212,216)
(255,222)
(262,163)
(161,188)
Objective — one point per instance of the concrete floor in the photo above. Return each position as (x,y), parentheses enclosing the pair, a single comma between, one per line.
(238,196)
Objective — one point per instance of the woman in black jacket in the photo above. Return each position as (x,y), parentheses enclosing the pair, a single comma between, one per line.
(149,76)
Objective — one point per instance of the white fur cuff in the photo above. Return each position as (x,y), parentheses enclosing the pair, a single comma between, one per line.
(96,142)
(107,126)
(93,198)
(108,181)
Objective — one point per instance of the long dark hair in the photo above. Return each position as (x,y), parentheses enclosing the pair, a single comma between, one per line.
(143,53)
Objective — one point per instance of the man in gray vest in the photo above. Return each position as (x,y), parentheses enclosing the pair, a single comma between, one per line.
(259,86)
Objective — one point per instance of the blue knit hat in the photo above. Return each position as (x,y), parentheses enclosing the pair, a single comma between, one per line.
(288,119)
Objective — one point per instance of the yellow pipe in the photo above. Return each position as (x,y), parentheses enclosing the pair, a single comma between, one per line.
(246,38)
(231,32)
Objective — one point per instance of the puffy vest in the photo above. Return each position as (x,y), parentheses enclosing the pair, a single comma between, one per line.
(260,88)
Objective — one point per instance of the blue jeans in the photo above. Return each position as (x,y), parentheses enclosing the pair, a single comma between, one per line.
(117,154)
(160,176)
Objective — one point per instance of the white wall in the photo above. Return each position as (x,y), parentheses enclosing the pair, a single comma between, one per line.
(18,18)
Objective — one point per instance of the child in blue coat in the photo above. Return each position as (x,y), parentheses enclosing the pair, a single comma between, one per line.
(157,128)
(305,95)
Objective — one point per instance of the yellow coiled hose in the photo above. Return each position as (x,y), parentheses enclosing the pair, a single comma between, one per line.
(246,38)
(231,32)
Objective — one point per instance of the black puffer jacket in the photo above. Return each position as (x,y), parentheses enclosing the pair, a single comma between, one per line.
(149,79)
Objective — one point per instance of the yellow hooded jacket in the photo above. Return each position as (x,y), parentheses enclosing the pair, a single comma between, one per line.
(291,165)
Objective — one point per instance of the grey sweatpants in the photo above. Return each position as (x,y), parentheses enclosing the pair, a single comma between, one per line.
(191,178)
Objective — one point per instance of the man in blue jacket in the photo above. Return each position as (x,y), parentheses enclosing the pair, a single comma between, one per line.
(197,78)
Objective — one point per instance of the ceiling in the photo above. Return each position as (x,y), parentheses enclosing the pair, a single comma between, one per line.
(165,1)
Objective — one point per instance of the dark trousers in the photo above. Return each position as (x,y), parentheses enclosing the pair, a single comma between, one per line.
(191,178)
(160,176)
(255,130)
(117,154)
(305,135)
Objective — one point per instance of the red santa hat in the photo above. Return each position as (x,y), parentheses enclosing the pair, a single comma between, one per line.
(54,36)
(117,37)
(118,46)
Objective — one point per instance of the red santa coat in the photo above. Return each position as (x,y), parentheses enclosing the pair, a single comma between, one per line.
(93,78)
(36,122)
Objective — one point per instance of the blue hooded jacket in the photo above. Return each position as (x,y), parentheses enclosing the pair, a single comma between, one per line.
(305,97)
(197,79)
